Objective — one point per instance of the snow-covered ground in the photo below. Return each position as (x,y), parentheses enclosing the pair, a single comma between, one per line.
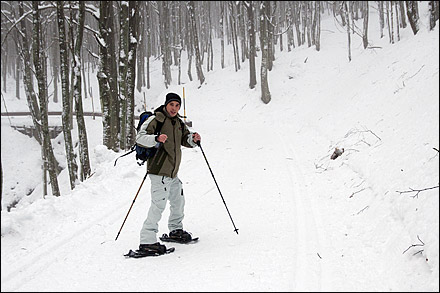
(306,222)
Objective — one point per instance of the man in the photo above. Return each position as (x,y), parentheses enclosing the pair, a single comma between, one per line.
(166,128)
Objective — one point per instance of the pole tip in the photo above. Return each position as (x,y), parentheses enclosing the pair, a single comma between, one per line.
(236,230)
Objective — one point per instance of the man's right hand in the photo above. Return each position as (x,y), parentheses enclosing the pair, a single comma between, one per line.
(162,138)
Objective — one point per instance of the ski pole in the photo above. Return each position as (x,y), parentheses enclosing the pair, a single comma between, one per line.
(131,205)
(235,228)
(154,157)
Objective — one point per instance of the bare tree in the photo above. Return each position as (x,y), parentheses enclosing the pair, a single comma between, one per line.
(433,13)
(123,68)
(232,13)
(317,21)
(365,32)
(165,45)
(39,64)
(131,70)
(106,79)
(264,36)
(66,120)
(381,18)
(347,21)
(85,169)
(193,28)
(252,50)
(222,32)
(413,15)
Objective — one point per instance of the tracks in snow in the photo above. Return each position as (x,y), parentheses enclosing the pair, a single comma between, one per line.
(307,243)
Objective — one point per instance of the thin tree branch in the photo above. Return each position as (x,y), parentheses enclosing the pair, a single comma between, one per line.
(417,190)
(414,245)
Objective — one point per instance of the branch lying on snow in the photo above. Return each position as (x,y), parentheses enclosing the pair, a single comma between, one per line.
(417,191)
(362,210)
(414,245)
(356,192)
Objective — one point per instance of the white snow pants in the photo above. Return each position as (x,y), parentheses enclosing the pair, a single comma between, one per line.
(163,188)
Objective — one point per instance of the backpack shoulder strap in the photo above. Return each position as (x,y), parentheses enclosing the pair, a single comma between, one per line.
(159,126)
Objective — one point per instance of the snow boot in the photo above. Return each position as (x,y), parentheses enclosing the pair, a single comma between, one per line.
(180,235)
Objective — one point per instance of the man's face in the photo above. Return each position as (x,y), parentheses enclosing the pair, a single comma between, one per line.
(173,108)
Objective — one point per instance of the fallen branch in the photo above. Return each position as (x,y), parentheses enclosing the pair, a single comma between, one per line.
(356,192)
(414,245)
(417,191)
(362,210)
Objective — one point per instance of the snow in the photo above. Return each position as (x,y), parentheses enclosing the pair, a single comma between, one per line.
(306,222)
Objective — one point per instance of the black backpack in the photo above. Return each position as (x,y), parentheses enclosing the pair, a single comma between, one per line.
(142,153)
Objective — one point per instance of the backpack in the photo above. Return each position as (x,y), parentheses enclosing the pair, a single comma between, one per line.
(142,153)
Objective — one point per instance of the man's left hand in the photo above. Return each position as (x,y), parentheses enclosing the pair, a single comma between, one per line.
(196,137)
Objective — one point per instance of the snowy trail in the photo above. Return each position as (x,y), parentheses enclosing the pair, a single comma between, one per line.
(271,218)
(309,271)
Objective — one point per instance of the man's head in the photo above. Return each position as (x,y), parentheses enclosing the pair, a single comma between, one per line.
(172,104)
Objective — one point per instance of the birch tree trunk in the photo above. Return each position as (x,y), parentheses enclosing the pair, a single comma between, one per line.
(39,58)
(193,29)
(365,32)
(433,14)
(234,35)
(66,119)
(165,41)
(347,21)
(317,35)
(413,15)
(252,50)
(103,79)
(31,97)
(123,68)
(131,70)
(265,94)
(222,33)
(107,73)
(381,18)
(85,169)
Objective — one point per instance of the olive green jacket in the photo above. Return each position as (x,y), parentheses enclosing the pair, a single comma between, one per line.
(167,161)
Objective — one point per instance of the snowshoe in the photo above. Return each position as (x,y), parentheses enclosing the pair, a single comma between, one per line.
(145,250)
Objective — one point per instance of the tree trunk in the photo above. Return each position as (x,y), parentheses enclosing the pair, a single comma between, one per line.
(264,8)
(27,78)
(222,33)
(41,75)
(85,170)
(165,41)
(193,29)
(397,21)
(66,120)
(131,72)
(252,51)
(148,45)
(381,18)
(413,15)
(123,68)
(433,13)
(234,35)
(106,76)
(103,79)
(365,32)
(347,21)
(318,25)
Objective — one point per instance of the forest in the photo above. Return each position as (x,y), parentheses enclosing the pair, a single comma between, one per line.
(52,47)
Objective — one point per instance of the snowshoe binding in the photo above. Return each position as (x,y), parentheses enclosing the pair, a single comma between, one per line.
(178,236)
